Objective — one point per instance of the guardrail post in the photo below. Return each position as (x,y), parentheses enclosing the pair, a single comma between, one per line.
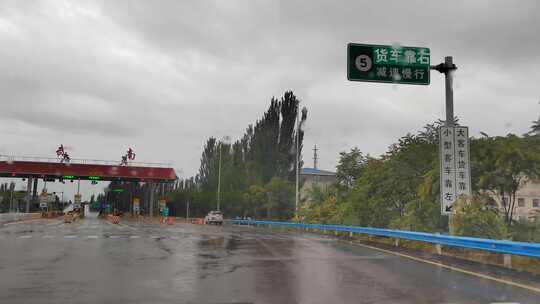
(507,260)
(350,234)
(438,249)
(396,242)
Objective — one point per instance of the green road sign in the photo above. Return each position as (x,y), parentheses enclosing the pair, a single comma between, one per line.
(386,63)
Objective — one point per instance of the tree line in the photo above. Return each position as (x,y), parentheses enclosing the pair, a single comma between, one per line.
(400,189)
(257,170)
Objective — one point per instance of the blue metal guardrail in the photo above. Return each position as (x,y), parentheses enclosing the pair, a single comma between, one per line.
(499,246)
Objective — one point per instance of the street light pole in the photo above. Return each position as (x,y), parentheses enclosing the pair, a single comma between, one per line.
(296,194)
(219,178)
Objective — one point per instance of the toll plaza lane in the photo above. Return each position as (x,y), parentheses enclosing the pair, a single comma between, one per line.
(93,261)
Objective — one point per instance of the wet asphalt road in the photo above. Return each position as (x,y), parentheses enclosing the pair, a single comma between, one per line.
(92,261)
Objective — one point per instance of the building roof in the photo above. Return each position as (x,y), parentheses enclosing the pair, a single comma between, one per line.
(313,171)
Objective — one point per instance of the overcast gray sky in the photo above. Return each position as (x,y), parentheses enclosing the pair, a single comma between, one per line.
(162,76)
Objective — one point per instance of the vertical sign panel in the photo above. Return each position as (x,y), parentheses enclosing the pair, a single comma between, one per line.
(463,166)
(447,168)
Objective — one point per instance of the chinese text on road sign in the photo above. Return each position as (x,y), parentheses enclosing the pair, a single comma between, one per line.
(385,63)
(454,165)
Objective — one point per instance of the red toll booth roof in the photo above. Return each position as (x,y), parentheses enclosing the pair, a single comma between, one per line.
(78,169)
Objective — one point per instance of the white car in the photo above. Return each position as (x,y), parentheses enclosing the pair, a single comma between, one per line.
(214,217)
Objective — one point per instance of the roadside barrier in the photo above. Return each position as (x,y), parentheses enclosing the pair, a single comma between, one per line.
(113,219)
(68,218)
(498,246)
(51,214)
(195,220)
(15,217)
(71,217)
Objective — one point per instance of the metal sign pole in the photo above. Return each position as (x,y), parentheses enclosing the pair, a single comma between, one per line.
(449,64)
(448,68)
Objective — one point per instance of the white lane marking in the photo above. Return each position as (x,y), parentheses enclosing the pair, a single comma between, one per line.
(25,236)
(114,236)
(134,236)
(91,236)
(71,236)
(127,226)
(47,236)
(480,275)
(154,236)
(22,222)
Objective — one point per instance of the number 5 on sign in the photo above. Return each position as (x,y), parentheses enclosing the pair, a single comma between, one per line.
(363,63)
